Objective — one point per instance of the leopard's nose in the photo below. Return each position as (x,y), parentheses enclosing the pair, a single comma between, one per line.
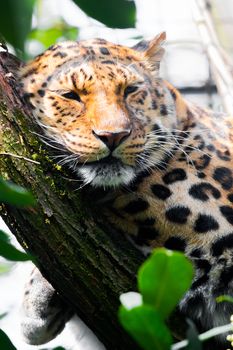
(112,139)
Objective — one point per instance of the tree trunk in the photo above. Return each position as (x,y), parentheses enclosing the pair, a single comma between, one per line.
(89,266)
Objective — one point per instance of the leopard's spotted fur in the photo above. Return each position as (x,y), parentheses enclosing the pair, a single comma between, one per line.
(167,163)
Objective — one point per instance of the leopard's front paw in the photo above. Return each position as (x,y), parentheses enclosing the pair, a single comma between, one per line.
(44,313)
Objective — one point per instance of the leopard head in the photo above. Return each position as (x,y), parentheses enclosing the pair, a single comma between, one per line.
(103,105)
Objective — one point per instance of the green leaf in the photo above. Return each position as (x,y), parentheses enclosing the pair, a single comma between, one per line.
(5,342)
(57,348)
(49,36)
(163,279)
(194,342)
(3,315)
(46,36)
(15,21)
(15,195)
(8,251)
(145,325)
(4,237)
(222,298)
(4,268)
(114,14)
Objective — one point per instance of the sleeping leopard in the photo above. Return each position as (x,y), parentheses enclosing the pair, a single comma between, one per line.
(166,162)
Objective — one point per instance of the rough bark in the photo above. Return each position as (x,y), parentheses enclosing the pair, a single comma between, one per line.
(89,266)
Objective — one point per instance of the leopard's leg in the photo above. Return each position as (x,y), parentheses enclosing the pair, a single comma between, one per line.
(44,313)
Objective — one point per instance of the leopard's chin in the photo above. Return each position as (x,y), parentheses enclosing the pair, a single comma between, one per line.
(107,173)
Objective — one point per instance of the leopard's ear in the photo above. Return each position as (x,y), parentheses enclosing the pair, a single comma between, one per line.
(152,51)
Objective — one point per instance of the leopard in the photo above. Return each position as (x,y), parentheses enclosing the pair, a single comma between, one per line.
(164,165)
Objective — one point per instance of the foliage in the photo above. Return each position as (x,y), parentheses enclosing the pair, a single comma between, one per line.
(5,342)
(15,195)
(194,342)
(222,298)
(8,251)
(18,196)
(15,21)
(57,348)
(146,326)
(114,14)
(16,18)
(162,280)
(4,268)
(49,36)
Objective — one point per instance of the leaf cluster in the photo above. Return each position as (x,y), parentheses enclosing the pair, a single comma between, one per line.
(162,281)
(16,20)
